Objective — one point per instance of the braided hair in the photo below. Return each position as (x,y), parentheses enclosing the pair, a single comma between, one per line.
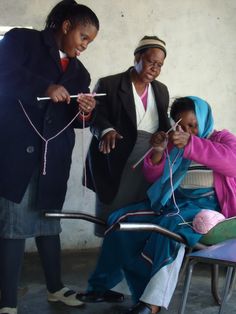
(72,11)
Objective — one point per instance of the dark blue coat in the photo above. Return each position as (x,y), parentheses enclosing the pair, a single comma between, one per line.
(29,63)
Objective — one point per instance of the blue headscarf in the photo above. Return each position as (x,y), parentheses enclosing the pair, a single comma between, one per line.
(160,192)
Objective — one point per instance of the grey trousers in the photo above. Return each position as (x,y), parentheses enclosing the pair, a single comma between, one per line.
(133,186)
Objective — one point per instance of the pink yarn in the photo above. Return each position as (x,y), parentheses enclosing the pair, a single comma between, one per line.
(206,219)
(49,139)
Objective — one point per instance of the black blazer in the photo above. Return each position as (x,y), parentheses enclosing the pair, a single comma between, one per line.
(29,63)
(117,110)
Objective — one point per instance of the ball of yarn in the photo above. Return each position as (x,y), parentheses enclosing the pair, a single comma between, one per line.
(206,219)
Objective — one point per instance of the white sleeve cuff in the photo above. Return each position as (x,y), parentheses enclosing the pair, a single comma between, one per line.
(106,131)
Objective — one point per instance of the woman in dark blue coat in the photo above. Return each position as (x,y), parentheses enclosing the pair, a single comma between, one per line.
(37,139)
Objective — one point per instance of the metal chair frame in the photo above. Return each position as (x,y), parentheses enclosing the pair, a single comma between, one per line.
(209,256)
(123,226)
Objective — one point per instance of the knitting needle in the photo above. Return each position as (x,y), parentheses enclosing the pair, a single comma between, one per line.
(173,128)
(75,96)
(150,149)
(138,162)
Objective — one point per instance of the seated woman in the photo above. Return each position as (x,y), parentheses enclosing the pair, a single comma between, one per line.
(193,168)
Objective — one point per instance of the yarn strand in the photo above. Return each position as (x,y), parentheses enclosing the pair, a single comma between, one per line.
(51,138)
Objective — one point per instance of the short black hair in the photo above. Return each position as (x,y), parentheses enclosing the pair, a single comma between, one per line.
(72,11)
(180,105)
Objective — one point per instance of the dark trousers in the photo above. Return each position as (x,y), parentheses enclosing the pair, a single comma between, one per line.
(11,258)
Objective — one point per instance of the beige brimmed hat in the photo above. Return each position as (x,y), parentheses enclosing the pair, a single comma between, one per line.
(150,42)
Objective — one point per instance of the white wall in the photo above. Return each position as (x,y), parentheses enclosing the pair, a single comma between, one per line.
(201,54)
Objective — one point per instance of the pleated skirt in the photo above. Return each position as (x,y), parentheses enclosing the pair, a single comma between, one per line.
(25,220)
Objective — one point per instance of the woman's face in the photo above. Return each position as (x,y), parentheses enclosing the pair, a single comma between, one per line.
(74,40)
(189,122)
(148,64)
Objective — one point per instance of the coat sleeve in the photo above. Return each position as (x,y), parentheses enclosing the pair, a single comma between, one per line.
(218,152)
(16,79)
(153,172)
(102,119)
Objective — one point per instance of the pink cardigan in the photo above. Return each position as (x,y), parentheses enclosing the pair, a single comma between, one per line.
(219,154)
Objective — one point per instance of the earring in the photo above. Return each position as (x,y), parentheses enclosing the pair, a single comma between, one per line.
(65,32)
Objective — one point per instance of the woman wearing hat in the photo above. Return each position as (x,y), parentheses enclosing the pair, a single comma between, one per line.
(135,107)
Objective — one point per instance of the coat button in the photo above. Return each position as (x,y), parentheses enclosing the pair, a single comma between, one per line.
(48,119)
(40,106)
(30,149)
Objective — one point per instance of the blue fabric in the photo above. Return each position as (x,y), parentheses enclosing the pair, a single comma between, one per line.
(204,117)
(160,192)
(139,255)
(121,252)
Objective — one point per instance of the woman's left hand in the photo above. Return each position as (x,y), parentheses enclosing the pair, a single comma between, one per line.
(179,138)
(86,103)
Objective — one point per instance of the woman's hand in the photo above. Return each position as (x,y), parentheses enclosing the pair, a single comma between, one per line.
(159,141)
(58,93)
(179,138)
(86,103)
(108,141)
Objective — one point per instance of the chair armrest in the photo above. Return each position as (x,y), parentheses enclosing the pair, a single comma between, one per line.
(75,215)
(128,226)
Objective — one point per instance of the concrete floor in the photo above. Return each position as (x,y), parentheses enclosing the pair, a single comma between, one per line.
(76,268)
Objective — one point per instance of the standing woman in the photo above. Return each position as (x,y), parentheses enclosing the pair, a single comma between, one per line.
(134,108)
(37,139)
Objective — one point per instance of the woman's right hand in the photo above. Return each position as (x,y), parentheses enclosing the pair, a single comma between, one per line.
(108,141)
(58,93)
(159,141)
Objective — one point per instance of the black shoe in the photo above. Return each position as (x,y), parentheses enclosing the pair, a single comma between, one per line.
(140,308)
(94,296)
